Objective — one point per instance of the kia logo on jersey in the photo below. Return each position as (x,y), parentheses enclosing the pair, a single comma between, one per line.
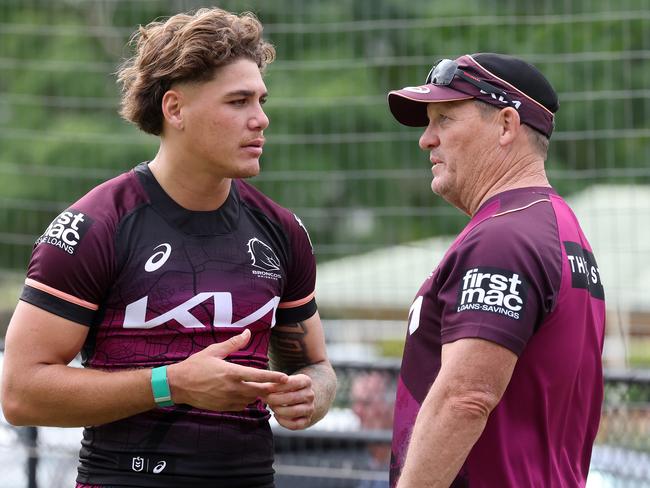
(494,290)
(137,316)
(66,230)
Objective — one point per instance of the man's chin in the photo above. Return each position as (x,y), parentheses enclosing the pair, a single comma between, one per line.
(443,191)
(248,171)
(437,187)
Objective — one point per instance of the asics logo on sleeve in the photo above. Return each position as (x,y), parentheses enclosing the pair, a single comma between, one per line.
(493,290)
(159,258)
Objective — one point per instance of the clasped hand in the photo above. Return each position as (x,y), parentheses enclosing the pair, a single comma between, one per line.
(206,380)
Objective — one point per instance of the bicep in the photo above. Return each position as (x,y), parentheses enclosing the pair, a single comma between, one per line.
(476,367)
(37,337)
(296,345)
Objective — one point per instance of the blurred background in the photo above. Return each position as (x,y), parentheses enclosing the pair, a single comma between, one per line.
(357,179)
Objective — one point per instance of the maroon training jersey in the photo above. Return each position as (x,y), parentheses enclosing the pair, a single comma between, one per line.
(156,283)
(522,275)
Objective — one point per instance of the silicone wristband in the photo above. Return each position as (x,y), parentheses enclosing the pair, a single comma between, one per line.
(161,394)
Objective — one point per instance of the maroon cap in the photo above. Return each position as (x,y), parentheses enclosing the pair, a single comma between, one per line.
(529,91)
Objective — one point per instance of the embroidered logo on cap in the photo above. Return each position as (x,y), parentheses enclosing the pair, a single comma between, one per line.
(416,89)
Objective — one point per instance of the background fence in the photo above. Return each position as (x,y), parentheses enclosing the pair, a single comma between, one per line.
(337,158)
(350,448)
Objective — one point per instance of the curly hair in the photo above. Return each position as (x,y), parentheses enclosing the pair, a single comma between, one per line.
(185,48)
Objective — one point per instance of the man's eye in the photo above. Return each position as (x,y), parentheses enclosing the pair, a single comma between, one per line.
(239,101)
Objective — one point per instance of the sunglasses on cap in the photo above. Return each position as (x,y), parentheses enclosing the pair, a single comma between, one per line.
(443,72)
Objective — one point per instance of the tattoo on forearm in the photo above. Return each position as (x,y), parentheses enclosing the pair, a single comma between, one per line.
(288,352)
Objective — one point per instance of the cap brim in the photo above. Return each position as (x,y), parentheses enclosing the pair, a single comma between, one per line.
(408,105)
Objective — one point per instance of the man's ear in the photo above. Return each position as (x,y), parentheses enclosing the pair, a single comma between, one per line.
(172,102)
(509,125)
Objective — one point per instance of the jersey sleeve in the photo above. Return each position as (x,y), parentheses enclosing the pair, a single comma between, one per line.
(298,301)
(499,284)
(73,261)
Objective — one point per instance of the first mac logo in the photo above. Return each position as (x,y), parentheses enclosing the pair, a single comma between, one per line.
(494,290)
(66,231)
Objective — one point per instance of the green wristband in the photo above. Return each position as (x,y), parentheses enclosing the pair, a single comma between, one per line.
(161,394)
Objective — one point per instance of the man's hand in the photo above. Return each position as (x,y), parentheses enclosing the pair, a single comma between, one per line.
(205,380)
(292,402)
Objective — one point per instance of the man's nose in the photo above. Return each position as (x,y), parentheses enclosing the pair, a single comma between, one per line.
(429,139)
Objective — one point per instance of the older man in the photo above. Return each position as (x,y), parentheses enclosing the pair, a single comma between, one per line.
(501,381)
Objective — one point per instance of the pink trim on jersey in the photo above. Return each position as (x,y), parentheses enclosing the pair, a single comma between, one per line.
(60,294)
(297,303)
(521,208)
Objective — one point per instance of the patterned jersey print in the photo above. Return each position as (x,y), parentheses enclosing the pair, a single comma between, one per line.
(156,283)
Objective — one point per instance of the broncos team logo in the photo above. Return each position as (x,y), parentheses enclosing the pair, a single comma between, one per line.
(262,256)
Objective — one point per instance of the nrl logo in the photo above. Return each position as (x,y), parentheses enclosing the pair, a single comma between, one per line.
(262,256)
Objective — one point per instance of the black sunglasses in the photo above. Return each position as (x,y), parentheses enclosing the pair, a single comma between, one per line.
(444,71)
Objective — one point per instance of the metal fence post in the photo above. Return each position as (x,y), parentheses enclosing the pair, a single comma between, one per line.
(30,438)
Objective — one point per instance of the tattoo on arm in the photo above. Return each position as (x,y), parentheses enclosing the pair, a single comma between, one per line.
(288,351)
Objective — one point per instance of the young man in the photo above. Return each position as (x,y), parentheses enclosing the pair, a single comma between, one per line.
(174,280)
(501,380)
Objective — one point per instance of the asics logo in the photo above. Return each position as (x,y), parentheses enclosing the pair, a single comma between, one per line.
(159,258)
(159,467)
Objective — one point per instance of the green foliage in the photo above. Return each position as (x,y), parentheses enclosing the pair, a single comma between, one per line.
(335,154)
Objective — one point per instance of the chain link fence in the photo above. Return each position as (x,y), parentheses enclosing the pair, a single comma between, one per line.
(350,447)
(355,177)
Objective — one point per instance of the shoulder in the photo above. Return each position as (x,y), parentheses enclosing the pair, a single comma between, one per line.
(91,221)
(75,255)
(526,225)
(515,239)
(114,198)
(258,202)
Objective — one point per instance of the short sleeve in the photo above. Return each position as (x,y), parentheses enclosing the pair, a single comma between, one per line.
(499,283)
(70,266)
(298,302)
